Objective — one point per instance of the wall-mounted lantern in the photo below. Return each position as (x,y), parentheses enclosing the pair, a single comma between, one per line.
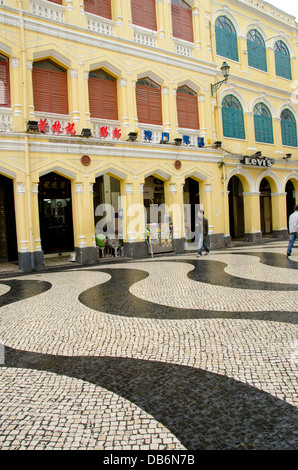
(225,68)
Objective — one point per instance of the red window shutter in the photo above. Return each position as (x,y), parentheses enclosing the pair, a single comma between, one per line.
(50,91)
(99,7)
(59,93)
(150,14)
(41,90)
(187,110)
(193,115)
(155,106)
(182,23)
(95,97)
(59,2)
(144,13)
(149,105)
(181,110)
(142,104)
(176,21)
(103,99)
(4,85)
(187,29)
(110,100)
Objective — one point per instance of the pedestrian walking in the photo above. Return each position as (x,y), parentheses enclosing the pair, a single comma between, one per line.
(293,230)
(202,232)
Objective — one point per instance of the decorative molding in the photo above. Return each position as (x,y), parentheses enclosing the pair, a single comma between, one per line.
(73,73)
(79,188)
(21,188)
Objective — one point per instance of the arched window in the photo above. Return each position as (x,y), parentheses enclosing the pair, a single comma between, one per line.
(187,108)
(232,118)
(288,128)
(182,20)
(4,82)
(256,50)
(148,95)
(263,124)
(282,60)
(49,87)
(102,95)
(143,13)
(226,38)
(99,7)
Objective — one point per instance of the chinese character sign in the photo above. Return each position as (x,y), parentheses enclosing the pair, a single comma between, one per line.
(56,127)
(116,133)
(43,126)
(103,131)
(69,129)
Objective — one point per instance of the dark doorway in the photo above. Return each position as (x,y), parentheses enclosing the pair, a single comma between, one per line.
(236,210)
(191,199)
(8,237)
(290,190)
(55,214)
(265,207)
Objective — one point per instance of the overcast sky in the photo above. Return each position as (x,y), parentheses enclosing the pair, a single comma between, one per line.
(288,6)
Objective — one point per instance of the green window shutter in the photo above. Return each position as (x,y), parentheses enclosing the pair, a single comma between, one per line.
(256,55)
(288,128)
(232,118)
(256,50)
(282,60)
(226,38)
(263,124)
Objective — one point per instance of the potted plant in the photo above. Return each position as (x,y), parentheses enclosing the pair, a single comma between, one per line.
(133,135)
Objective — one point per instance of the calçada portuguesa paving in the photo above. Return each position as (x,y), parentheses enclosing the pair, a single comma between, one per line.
(165,353)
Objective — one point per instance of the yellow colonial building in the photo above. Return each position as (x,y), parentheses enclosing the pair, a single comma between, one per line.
(128,114)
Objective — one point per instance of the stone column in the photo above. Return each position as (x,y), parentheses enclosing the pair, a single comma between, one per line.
(202,116)
(39,254)
(22,226)
(84,103)
(279,215)
(86,252)
(276,124)
(30,99)
(166,109)
(124,108)
(17,122)
(132,207)
(75,113)
(174,202)
(271,65)
(123,19)
(252,217)
(196,31)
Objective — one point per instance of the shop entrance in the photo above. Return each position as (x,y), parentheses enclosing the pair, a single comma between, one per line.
(191,201)
(236,208)
(265,207)
(158,221)
(8,237)
(55,214)
(290,190)
(106,191)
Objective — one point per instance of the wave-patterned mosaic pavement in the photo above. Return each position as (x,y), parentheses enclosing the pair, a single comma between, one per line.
(169,353)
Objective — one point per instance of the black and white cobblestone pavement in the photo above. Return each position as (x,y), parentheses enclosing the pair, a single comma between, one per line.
(167,353)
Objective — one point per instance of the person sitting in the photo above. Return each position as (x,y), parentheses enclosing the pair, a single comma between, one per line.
(100,239)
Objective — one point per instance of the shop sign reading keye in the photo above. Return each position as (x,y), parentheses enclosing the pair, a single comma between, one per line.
(255,161)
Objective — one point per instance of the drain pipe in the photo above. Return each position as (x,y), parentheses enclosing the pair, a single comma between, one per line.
(25,114)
